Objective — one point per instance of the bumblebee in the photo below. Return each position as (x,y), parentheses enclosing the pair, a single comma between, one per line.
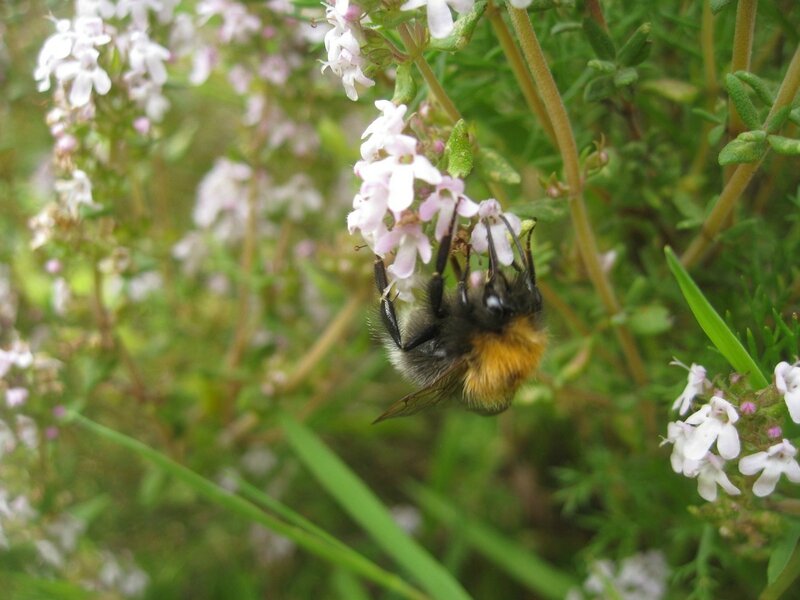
(477,344)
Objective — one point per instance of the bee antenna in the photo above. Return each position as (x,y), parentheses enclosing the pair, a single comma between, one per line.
(517,243)
(493,262)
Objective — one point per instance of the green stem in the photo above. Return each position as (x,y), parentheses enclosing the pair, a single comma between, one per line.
(414,51)
(584,235)
(521,74)
(742,175)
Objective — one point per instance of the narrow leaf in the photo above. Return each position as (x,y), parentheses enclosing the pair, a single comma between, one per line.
(742,150)
(637,48)
(718,5)
(364,507)
(782,552)
(601,42)
(712,324)
(760,87)
(405,88)
(338,554)
(534,573)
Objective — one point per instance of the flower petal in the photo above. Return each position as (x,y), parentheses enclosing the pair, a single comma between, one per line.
(752,464)
(728,442)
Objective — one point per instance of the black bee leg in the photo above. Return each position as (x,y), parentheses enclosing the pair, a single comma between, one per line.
(436,285)
(529,256)
(462,282)
(389,315)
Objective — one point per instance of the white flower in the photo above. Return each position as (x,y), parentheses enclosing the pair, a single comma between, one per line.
(787,380)
(694,386)
(75,192)
(61,296)
(55,49)
(777,460)
(521,4)
(86,75)
(714,423)
(344,48)
(382,130)
(147,57)
(447,198)
(27,431)
(223,191)
(489,212)
(16,396)
(710,474)
(440,21)
(678,434)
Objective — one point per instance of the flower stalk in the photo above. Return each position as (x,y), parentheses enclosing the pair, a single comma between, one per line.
(584,234)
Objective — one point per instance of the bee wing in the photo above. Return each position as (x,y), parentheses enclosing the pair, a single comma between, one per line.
(430,395)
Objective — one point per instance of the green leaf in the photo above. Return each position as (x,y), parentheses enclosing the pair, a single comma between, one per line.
(363,506)
(458,151)
(744,149)
(715,135)
(741,101)
(604,66)
(405,88)
(495,167)
(650,320)
(637,48)
(784,145)
(463,29)
(599,89)
(782,552)
(759,86)
(598,37)
(718,5)
(625,77)
(336,553)
(672,89)
(520,563)
(714,327)
(22,586)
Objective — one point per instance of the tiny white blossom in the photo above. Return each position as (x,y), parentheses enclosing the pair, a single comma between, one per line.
(787,380)
(776,461)
(75,192)
(710,474)
(16,396)
(147,57)
(382,130)
(490,212)
(715,422)
(343,46)
(678,434)
(694,386)
(440,21)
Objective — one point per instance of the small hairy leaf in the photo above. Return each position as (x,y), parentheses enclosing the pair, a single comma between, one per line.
(743,150)
(496,168)
(601,42)
(458,151)
(599,89)
(784,145)
(405,88)
(741,101)
(625,77)
(636,50)
(463,29)
(718,5)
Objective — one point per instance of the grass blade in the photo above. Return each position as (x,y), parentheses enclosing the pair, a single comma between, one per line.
(524,566)
(364,507)
(336,553)
(717,331)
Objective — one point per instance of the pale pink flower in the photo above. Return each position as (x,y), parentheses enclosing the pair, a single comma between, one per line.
(409,240)
(382,130)
(448,197)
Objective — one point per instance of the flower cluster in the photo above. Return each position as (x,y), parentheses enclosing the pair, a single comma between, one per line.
(393,176)
(642,575)
(343,45)
(714,425)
